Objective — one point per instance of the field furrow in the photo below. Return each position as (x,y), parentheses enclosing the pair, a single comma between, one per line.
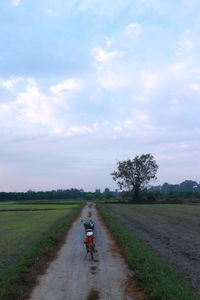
(173,231)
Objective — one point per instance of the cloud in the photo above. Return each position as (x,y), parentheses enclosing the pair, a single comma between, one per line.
(104,8)
(31,107)
(133,30)
(194,87)
(102,55)
(16,2)
(65,86)
(10,84)
(130,124)
(34,107)
(108,69)
(112,81)
(32,110)
(118,128)
(52,13)
(174,101)
(150,82)
(158,6)
(185,44)
(85,129)
(117,82)
(108,41)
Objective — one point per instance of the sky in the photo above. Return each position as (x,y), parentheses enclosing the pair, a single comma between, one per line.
(86,83)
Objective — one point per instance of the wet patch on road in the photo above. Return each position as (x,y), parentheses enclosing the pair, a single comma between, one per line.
(93,295)
(93,270)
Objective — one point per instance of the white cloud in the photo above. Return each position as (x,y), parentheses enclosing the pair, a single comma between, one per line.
(133,30)
(16,2)
(84,129)
(112,80)
(109,42)
(158,6)
(143,116)
(9,84)
(149,84)
(103,56)
(34,110)
(34,107)
(183,145)
(104,8)
(31,108)
(117,128)
(174,101)
(184,47)
(195,87)
(52,13)
(4,109)
(185,44)
(64,86)
(136,61)
(109,72)
(129,124)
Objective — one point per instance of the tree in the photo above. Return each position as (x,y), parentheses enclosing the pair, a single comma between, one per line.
(188,185)
(107,193)
(135,174)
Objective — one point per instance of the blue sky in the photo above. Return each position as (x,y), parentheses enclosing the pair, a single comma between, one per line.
(85,83)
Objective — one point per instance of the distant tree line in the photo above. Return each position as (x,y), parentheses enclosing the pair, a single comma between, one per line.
(169,193)
(185,186)
(69,194)
(187,189)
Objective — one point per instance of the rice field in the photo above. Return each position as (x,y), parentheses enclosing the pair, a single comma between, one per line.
(23,225)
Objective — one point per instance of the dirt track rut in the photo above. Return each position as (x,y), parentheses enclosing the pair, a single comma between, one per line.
(73,276)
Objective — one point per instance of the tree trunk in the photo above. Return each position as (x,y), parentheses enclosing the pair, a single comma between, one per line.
(136,196)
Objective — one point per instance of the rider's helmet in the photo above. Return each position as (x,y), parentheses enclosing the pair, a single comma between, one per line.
(91,224)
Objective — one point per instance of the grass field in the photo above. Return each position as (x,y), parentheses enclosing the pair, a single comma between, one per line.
(20,230)
(30,236)
(172,231)
(37,205)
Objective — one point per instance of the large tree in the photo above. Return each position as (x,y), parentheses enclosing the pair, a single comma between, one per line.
(135,174)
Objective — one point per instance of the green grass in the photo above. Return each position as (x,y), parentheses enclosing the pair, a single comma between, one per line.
(36,205)
(158,278)
(21,230)
(28,240)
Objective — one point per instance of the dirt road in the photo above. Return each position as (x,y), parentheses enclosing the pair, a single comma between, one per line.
(74,276)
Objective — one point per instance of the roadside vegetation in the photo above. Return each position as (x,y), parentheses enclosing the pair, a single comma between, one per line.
(158,278)
(29,240)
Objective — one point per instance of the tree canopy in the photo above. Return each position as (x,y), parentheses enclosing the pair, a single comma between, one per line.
(134,174)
